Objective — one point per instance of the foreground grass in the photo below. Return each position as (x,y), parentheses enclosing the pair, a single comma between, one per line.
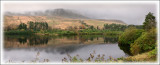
(150,56)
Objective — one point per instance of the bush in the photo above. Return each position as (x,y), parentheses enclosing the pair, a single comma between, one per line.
(125,48)
(135,48)
(129,35)
(146,42)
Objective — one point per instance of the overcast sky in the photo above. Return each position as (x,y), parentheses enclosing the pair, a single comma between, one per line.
(129,12)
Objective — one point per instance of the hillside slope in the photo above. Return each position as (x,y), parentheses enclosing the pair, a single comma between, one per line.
(55,22)
(57,18)
(65,13)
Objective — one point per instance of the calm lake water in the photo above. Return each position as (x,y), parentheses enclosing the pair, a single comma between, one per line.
(54,48)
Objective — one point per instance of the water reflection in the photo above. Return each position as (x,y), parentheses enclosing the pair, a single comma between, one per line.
(125,48)
(56,54)
(22,40)
(37,40)
(69,49)
(55,48)
(40,41)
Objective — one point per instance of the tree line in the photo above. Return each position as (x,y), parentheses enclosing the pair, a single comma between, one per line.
(36,26)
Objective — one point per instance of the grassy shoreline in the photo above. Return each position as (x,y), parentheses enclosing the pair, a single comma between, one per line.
(150,56)
(61,32)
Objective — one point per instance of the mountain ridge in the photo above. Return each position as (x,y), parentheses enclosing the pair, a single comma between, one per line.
(51,12)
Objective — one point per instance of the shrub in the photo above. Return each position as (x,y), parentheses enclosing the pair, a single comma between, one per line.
(22,26)
(125,48)
(146,42)
(135,49)
(129,35)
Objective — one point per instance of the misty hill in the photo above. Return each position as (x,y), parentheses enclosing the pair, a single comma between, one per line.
(64,13)
(56,18)
(118,21)
(54,12)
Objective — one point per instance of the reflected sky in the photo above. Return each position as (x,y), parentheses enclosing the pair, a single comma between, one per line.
(24,48)
(58,53)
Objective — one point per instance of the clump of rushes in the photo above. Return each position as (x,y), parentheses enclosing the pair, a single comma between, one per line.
(92,58)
